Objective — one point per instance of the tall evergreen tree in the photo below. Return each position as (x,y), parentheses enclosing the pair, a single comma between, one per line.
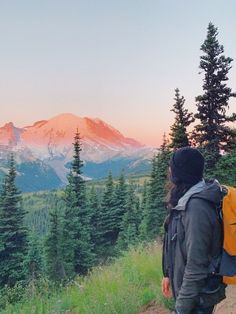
(212,132)
(120,200)
(75,178)
(35,260)
(13,234)
(95,210)
(108,228)
(131,220)
(143,232)
(53,249)
(77,244)
(156,209)
(179,135)
(69,232)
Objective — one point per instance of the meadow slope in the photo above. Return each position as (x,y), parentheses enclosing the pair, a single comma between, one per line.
(124,286)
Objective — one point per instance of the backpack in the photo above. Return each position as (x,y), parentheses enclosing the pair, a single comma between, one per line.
(228,218)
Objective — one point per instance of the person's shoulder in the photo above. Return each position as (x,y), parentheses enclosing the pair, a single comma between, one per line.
(201,207)
(195,200)
(212,192)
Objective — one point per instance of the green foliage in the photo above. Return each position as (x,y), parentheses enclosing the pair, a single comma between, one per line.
(32,298)
(13,234)
(120,201)
(95,208)
(53,249)
(108,228)
(213,132)
(131,220)
(11,295)
(78,254)
(179,135)
(155,214)
(35,259)
(38,206)
(225,169)
(144,206)
(123,287)
(69,233)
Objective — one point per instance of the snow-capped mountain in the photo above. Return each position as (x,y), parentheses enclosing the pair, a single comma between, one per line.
(54,137)
(50,142)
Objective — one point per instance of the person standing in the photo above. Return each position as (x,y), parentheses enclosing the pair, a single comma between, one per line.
(193,236)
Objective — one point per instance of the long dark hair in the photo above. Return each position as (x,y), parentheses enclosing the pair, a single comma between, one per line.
(174,192)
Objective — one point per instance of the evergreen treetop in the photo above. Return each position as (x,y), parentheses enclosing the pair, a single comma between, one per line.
(76,182)
(77,163)
(179,135)
(213,131)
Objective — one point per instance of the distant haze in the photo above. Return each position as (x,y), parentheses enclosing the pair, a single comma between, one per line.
(119,61)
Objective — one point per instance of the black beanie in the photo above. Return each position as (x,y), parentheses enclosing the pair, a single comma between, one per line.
(187,166)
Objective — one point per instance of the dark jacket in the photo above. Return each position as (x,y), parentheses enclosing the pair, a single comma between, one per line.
(193,246)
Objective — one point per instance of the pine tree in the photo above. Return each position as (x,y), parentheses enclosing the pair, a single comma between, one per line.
(108,228)
(143,232)
(120,201)
(156,211)
(77,244)
(13,233)
(69,232)
(95,210)
(179,135)
(131,220)
(53,249)
(75,179)
(35,266)
(225,169)
(213,131)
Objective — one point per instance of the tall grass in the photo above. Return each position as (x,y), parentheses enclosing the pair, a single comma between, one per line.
(122,287)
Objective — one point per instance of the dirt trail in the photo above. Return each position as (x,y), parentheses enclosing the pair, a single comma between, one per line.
(153,308)
(228,306)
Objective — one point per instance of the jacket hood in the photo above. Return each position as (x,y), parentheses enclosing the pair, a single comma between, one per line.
(208,190)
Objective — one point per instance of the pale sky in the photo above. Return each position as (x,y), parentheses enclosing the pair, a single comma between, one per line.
(119,60)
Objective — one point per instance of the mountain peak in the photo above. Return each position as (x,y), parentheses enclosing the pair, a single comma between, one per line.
(9,134)
(66,115)
(54,137)
(9,125)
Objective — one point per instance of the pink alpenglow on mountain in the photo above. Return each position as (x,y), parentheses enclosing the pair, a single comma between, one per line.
(53,138)
(62,128)
(9,134)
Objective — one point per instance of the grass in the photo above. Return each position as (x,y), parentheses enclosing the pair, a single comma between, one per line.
(122,287)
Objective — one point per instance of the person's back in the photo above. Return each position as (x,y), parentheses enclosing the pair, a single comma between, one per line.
(193,238)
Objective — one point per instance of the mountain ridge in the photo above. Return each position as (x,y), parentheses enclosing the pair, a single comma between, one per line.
(45,148)
(62,128)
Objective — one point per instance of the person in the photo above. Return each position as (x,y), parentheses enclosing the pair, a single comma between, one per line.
(193,236)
